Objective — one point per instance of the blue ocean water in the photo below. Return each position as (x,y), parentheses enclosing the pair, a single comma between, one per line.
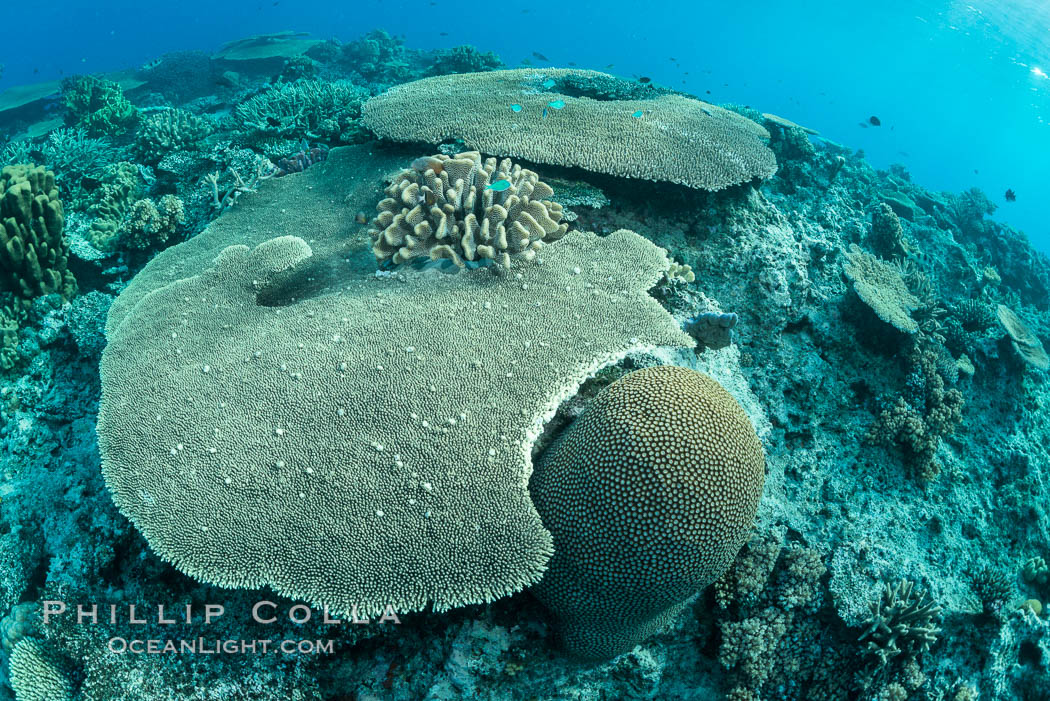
(961,89)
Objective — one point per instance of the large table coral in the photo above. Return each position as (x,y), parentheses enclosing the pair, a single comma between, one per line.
(578,118)
(273,416)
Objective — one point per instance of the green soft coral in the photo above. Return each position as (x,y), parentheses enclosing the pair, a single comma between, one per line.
(98,106)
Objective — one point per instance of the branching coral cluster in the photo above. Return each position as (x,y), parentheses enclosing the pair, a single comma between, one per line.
(465,209)
(903,621)
(916,423)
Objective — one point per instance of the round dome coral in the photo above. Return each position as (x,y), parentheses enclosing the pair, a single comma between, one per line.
(649,496)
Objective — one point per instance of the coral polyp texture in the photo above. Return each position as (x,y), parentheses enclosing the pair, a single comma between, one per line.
(464,209)
(649,495)
(575,118)
(38,674)
(272,415)
(33,252)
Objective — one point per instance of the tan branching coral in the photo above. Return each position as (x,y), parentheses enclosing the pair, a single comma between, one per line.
(917,433)
(765,645)
(573,118)
(465,209)
(879,285)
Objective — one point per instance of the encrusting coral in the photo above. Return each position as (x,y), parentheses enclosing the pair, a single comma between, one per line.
(879,285)
(649,495)
(548,116)
(1026,343)
(465,209)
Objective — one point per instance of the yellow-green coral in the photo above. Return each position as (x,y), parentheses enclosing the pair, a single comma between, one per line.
(33,252)
(121,187)
(98,105)
(9,325)
(150,225)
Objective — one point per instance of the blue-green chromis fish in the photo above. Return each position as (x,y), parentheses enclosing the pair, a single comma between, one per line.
(556,104)
(515,107)
(499,186)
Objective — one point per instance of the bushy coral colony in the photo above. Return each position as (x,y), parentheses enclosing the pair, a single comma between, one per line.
(545,383)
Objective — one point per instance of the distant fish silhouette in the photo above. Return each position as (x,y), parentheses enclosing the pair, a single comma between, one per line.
(544,113)
(862,125)
(538,55)
(609,66)
(645,79)
(874,121)
(572,63)
(444,34)
(1011,196)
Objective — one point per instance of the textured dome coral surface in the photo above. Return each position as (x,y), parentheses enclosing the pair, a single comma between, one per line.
(271,416)
(511,113)
(649,496)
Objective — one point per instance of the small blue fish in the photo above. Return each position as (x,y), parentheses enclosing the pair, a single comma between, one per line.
(499,186)
(544,113)
(638,114)
(556,104)
(549,83)
(515,107)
